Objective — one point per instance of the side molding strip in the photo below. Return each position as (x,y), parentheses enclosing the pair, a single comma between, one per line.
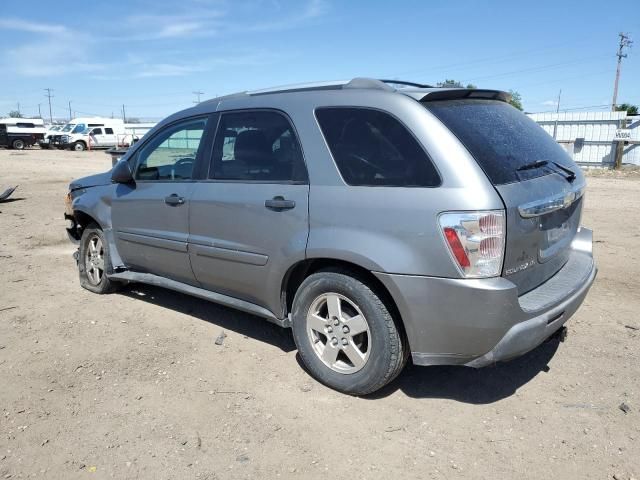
(219,298)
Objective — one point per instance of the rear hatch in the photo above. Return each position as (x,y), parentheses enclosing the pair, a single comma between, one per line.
(541,187)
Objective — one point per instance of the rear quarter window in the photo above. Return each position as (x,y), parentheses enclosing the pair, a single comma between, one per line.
(372,148)
(500,138)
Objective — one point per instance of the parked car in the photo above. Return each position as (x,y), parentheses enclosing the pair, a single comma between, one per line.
(96,133)
(49,132)
(20,133)
(378,223)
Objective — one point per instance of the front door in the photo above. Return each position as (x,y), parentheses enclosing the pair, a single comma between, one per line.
(151,216)
(249,220)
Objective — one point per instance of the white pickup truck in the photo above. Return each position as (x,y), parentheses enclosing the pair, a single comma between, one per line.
(93,133)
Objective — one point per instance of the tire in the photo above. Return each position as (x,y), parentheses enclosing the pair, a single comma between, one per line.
(94,261)
(18,144)
(365,332)
(79,146)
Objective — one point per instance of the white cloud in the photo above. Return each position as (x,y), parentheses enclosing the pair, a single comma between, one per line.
(33,27)
(55,49)
(166,70)
(550,103)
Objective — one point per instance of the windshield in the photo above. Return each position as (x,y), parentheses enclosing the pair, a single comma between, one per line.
(79,128)
(508,145)
(68,127)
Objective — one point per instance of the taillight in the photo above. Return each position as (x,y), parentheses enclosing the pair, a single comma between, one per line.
(476,241)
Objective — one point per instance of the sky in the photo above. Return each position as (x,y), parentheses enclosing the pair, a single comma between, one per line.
(152,55)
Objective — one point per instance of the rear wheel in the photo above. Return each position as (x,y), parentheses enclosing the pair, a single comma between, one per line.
(345,334)
(79,146)
(94,261)
(18,144)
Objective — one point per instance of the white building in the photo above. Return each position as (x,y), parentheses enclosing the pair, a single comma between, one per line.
(589,136)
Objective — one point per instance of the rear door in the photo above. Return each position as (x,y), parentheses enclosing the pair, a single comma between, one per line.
(249,220)
(541,187)
(109,138)
(151,216)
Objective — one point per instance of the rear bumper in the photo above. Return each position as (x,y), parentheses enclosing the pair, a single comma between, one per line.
(480,322)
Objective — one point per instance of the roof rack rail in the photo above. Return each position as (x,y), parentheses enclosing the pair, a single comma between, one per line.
(358,82)
(408,84)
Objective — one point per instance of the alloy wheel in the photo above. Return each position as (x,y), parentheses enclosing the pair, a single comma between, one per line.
(339,333)
(94,259)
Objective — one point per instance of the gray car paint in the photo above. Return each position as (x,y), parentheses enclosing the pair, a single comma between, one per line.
(390,231)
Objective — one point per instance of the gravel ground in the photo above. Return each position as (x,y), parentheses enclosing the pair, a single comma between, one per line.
(132,385)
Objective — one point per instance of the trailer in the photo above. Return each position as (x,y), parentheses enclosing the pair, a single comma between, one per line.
(20,133)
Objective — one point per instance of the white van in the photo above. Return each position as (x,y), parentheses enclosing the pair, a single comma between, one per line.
(92,133)
(19,133)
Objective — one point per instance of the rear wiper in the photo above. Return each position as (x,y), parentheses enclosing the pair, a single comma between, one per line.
(571,175)
(532,165)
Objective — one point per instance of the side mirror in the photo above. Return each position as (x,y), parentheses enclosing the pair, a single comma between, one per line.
(121,173)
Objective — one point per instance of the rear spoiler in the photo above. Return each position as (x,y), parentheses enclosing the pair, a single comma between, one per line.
(457,94)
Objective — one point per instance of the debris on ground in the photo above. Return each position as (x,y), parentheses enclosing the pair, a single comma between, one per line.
(221,337)
(624,407)
(7,193)
(632,327)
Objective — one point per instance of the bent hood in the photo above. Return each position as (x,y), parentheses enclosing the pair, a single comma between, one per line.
(91,181)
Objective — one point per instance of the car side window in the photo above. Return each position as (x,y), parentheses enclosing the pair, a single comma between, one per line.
(97,131)
(171,154)
(257,146)
(108,131)
(372,148)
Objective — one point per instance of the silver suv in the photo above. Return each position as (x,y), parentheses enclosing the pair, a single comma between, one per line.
(379,221)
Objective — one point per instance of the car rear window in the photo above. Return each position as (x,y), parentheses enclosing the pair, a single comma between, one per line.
(372,148)
(500,138)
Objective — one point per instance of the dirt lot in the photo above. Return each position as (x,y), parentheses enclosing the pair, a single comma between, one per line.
(132,385)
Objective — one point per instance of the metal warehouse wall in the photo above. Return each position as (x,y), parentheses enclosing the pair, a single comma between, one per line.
(595,132)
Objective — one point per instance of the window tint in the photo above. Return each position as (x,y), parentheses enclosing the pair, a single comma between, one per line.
(500,138)
(108,131)
(171,154)
(371,147)
(257,146)
(25,125)
(97,131)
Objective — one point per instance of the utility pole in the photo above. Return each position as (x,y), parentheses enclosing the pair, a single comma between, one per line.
(555,126)
(70,117)
(49,96)
(124,114)
(19,114)
(39,111)
(625,42)
(198,93)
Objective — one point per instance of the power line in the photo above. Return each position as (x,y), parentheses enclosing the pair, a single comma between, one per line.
(49,96)
(625,42)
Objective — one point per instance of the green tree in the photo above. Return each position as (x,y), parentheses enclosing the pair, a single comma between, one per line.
(630,109)
(516,99)
(15,114)
(450,83)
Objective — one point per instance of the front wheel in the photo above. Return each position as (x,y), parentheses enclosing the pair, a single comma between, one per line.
(79,146)
(18,144)
(345,334)
(94,261)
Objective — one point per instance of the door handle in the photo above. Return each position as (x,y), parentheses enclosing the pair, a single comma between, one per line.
(174,200)
(279,203)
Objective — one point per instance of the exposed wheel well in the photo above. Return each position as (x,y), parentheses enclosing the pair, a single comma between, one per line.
(82,220)
(297,274)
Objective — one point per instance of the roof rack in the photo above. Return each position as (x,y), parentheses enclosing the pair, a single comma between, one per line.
(358,82)
(408,84)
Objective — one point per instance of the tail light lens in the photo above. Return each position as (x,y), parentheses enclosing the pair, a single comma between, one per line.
(476,241)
